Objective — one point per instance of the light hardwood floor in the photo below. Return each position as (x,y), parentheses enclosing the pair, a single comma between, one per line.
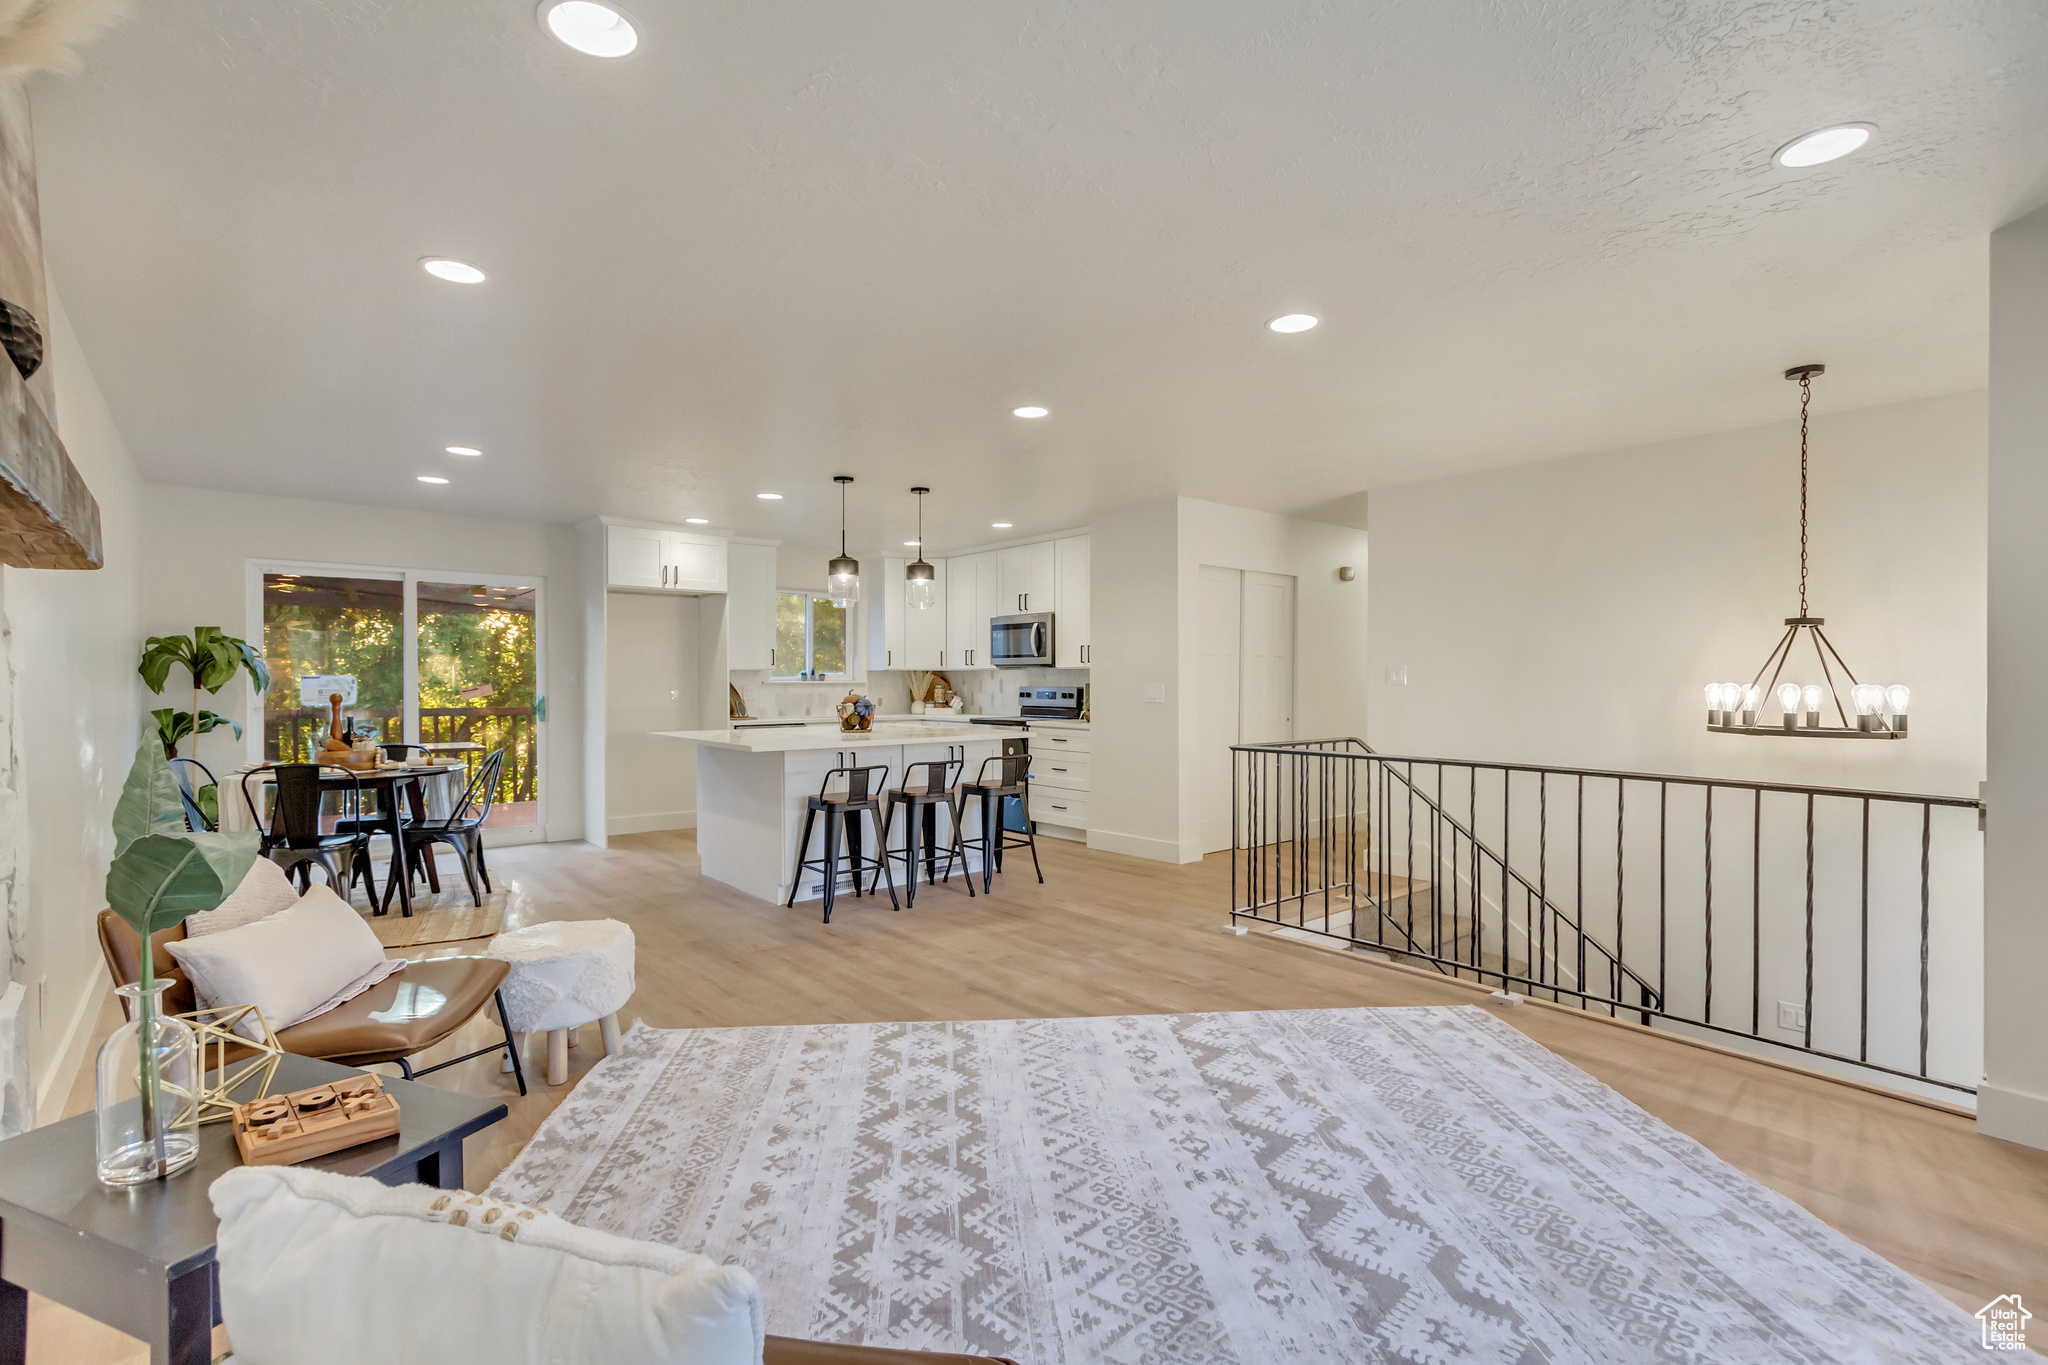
(1114,935)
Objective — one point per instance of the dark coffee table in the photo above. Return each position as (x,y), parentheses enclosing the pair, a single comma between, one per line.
(141,1260)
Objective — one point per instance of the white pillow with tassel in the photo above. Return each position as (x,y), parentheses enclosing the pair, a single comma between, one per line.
(325,1269)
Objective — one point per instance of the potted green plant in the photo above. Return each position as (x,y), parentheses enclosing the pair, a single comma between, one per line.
(212,657)
(147,1080)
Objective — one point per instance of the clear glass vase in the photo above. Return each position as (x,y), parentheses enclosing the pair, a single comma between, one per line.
(147,1092)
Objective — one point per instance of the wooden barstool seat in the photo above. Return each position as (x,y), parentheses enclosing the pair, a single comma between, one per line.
(1010,782)
(927,786)
(842,810)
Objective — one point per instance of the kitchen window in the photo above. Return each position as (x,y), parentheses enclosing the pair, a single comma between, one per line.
(811,633)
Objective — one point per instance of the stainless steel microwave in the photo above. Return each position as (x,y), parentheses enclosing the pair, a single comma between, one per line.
(1021,641)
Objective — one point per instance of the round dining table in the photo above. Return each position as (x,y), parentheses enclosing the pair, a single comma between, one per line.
(388,780)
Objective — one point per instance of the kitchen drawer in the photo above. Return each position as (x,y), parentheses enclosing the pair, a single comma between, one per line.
(1059,769)
(1055,807)
(1045,741)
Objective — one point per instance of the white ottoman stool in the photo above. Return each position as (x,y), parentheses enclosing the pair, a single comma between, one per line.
(565,973)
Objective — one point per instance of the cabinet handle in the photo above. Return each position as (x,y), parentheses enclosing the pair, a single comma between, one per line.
(888,659)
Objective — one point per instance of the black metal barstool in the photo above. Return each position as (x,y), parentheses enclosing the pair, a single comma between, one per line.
(843,810)
(927,786)
(1012,782)
(292,837)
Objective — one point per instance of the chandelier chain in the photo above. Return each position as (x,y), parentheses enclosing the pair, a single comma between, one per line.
(1805,397)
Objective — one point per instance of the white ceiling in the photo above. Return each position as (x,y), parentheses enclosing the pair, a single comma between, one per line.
(785,241)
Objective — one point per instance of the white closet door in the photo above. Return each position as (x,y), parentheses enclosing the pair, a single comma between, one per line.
(1267,710)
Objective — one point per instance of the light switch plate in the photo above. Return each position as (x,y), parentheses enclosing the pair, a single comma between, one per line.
(1155,692)
(1397,675)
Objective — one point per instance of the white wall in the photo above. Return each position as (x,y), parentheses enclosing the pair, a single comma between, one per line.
(1145,581)
(74,645)
(1571,611)
(651,683)
(196,544)
(2013,1101)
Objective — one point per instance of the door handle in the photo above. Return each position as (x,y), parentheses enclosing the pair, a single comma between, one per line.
(1038,641)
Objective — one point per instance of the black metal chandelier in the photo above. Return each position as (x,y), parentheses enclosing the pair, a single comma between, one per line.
(1738,709)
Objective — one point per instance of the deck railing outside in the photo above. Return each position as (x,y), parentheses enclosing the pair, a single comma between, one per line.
(294,736)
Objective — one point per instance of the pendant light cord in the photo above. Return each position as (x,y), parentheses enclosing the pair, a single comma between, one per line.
(1805,397)
(1802,514)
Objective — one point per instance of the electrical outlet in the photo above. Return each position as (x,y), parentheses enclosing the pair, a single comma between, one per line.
(672,695)
(1397,676)
(1791,1016)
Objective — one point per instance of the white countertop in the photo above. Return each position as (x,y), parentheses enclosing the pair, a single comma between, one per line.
(788,738)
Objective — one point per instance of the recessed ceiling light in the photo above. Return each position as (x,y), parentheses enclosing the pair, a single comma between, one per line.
(462,450)
(592,29)
(698,521)
(769,497)
(1001,525)
(455,272)
(1828,144)
(431,478)
(1293,322)
(1030,411)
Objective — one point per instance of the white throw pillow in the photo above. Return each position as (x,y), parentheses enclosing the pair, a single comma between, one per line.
(291,965)
(263,891)
(340,1270)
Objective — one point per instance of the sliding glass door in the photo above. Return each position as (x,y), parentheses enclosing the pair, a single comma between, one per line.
(451,661)
(478,661)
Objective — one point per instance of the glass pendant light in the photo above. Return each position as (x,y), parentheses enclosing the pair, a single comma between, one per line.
(842,575)
(919,580)
(1734,709)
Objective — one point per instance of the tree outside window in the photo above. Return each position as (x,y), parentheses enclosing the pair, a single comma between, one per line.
(811,637)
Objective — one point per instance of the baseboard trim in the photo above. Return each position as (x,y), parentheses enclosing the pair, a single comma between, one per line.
(650,824)
(2013,1115)
(55,1088)
(1138,846)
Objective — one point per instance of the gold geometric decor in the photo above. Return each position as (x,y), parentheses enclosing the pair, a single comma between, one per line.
(216,1030)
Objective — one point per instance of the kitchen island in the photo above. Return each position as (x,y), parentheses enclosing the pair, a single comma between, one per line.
(753,783)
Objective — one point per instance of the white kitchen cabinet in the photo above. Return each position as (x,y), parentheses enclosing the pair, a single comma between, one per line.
(695,563)
(882,597)
(1027,579)
(924,632)
(750,606)
(632,558)
(1072,643)
(649,559)
(972,590)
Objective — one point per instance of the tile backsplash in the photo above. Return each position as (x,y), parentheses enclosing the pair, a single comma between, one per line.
(988,692)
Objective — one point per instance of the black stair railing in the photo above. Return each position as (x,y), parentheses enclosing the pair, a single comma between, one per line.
(1827,921)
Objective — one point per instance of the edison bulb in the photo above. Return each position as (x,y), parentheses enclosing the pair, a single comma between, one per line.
(1809,697)
(1788,698)
(1898,694)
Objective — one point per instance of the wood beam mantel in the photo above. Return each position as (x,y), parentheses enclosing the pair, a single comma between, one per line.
(49,519)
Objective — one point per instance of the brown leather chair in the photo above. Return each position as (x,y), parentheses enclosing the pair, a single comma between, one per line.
(790,1351)
(390,1022)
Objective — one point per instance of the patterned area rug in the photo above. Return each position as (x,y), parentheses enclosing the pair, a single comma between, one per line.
(1400,1185)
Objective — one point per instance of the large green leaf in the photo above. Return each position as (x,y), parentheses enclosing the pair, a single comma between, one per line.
(161,878)
(149,801)
(159,653)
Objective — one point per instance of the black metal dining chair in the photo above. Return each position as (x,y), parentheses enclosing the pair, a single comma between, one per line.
(928,786)
(462,830)
(293,837)
(1011,782)
(196,818)
(842,811)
